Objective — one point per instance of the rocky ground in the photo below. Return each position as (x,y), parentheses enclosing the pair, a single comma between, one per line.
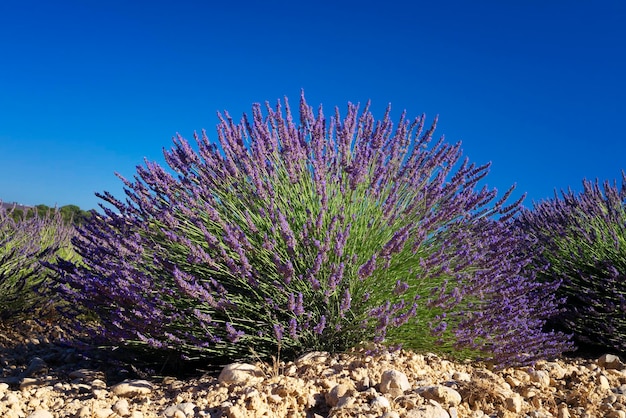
(42,377)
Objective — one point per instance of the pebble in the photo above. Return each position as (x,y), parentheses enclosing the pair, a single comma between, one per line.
(41,414)
(394,382)
(131,388)
(240,373)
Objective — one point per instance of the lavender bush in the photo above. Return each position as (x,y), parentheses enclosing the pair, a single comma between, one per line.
(317,235)
(25,244)
(583,238)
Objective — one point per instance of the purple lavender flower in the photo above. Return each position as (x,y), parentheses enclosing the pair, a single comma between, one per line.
(313,225)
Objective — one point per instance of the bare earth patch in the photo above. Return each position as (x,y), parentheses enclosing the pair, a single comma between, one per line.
(41,376)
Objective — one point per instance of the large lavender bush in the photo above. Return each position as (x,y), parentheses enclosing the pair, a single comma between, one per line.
(582,236)
(317,235)
(25,244)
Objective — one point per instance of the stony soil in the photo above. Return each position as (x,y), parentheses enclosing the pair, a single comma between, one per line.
(42,377)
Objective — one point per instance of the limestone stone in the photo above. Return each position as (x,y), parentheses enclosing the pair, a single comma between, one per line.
(380,402)
(103,412)
(542,377)
(394,382)
(442,394)
(240,373)
(337,393)
(432,410)
(514,403)
(121,407)
(610,361)
(132,388)
(41,414)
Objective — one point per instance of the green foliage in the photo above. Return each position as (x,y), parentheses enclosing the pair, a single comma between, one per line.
(70,214)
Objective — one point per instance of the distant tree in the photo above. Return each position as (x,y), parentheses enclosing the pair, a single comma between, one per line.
(74,214)
(70,214)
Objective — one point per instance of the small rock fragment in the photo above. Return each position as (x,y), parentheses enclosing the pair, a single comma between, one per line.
(442,394)
(130,388)
(103,413)
(380,402)
(337,393)
(394,382)
(610,361)
(563,411)
(514,403)
(121,407)
(240,373)
(41,414)
(433,410)
(186,409)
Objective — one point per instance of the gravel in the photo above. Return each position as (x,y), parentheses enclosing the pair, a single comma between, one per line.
(43,376)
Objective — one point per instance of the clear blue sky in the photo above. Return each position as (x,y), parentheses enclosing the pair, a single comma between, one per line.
(90,87)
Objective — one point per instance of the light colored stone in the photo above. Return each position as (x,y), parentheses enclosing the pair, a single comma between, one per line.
(432,410)
(610,361)
(380,402)
(337,393)
(461,377)
(603,383)
(41,414)
(390,414)
(394,382)
(185,409)
(240,373)
(514,403)
(132,388)
(442,394)
(542,377)
(563,412)
(122,407)
(29,383)
(103,413)
(84,412)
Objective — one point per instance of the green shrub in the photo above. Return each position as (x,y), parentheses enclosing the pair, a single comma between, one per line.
(321,236)
(24,245)
(582,238)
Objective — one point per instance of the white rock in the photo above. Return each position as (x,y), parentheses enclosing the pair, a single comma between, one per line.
(539,376)
(603,383)
(121,407)
(563,411)
(442,394)
(428,411)
(84,412)
(337,393)
(610,361)
(394,383)
(514,404)
(380,402)
(41,414)
(11,399)
(29,383)
(131,388)
(186,409)
(461,377)
(240,373)
(103,413)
